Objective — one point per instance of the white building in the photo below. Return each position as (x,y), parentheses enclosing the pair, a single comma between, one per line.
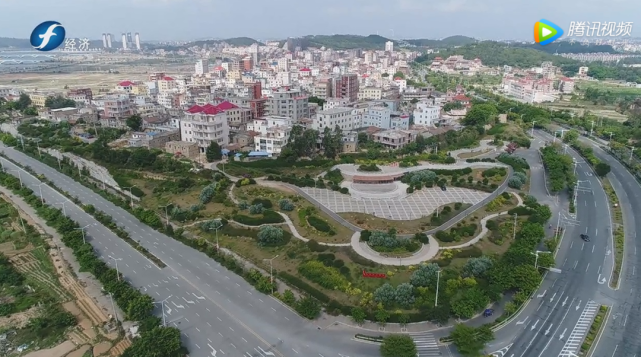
(202,67)
(272,133)
(341,116)
(389,46)
(203,125)
(379,117)
(426,114)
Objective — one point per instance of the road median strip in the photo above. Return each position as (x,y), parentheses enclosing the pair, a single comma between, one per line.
(595,330)
(375,339)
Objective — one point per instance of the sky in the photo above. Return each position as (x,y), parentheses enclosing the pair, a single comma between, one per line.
(176,20)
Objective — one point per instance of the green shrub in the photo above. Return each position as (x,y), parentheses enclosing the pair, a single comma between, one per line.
(319,224)
(369,168)
(268,217)
(286,205)
(267,204)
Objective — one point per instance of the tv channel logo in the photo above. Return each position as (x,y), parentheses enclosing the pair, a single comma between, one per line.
(546,32)
(47,36)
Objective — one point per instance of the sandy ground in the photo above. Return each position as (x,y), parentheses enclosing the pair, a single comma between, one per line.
(101,348)
(19,320)
(59,351)
(79,352)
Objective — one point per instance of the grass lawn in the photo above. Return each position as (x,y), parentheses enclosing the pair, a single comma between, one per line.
(469,155)
(238,169)
(373,223)
(275,193)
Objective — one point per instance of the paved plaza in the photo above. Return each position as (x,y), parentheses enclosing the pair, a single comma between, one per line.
(414,206)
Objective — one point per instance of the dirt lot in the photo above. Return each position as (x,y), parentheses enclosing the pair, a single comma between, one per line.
(57,81)
(59,351)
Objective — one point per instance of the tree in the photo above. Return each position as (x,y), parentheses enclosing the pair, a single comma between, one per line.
(385,294)
(399,74)
(425,275)
(469,302)
(362,138)
(358,315)
(308,308)
(470,341)
(58,102)
(23,102)
(316,100)
(477,267)
(213,152)
(134,122)
(140,307)
(30,111)
(405,295)
(398,346)
(270,236)
(602,169)
(480,114)
(570,136)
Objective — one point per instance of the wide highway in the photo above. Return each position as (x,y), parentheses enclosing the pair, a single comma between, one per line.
(621,337)
(557,318)
(218,312)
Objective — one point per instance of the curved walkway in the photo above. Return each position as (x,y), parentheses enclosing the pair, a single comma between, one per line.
(484,148)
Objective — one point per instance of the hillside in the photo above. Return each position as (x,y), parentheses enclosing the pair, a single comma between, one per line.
(345,42)
(451,41)
(14,42)
(499,54)
(567,47)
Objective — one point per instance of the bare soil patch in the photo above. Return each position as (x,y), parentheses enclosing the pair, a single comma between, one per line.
(59,351)
(101,348)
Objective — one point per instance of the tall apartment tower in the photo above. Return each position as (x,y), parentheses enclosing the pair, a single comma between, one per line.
(389,46)
(130,40)
(345,86)
(104,40)
(137,39)
(202,67)
(108,40)
(124,41)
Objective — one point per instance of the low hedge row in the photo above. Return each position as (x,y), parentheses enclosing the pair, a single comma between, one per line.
(320,225)
(268,217)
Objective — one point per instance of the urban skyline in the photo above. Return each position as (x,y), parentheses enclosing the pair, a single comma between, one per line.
(173,20)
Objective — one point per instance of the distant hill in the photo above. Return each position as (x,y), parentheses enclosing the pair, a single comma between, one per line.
(499,54)
(443,43)
(567,47)
(234,41)
(345,42)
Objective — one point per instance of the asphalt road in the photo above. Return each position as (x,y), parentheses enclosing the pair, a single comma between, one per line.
(558,316)
(218,312)
(621,335)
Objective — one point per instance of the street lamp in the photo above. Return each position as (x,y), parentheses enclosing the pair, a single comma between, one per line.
(42,201)
(438,279)
(592,127)
(632,148)
(611,134)
(64,211)
(113,306)
(166,207)
(82,229)
(533,122)
(131,195)
(218,226)
(271,271)
(19,176)
(162,304)
(536,260)
(117,271)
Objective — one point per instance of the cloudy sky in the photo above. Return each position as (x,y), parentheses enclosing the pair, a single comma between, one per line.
(193,19)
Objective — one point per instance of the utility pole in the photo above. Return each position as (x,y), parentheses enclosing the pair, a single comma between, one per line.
(82,229)
(131,195)
(113,306)
(117,271)
(533,122)
(592,128)
(438,278)
(19,176)
(536,260)
(610,133)
(164,316)
(218,226)
(64,211)
(42,200)
(271,271)
(632,148)
(166,207)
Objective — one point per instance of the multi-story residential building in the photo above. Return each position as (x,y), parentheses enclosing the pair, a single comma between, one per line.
(58,115)
(342,117)
(81,95)
(370,93)
(322,89)
(290,103)
(183,148)
(38,99)
(237,117)
(272,133)
(154,139)
(202,67)
(169,99)
(166,84)
(203,125)
(566,85)
(394,139)
(125,86)
(400,121)
(379,117)
(583,71)
(117,107)
(345,86)
(426,114)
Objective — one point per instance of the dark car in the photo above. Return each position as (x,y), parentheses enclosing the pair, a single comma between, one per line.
(488,312)
(443,188)
(585,237)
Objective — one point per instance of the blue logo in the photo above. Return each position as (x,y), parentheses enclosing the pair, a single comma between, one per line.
(47,36)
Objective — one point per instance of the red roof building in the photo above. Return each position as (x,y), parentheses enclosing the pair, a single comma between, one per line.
(168,79)
(125,84)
